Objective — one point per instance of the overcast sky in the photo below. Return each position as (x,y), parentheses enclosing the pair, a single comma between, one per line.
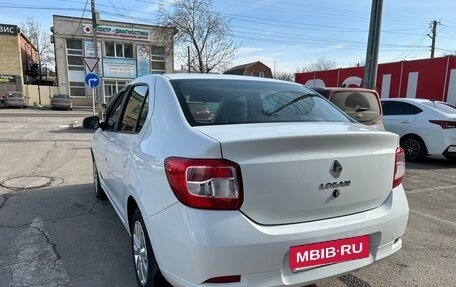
(285,35)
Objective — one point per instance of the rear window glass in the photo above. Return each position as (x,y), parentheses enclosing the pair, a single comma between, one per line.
(61,96)
(15,95)
(442,107)
(215,102)
(362,106)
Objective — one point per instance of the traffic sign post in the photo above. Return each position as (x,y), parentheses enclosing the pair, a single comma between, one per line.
(92,81)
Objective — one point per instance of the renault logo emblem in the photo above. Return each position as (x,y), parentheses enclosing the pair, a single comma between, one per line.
(336,169)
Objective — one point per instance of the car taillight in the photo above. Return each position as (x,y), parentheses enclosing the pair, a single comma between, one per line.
(399,167)
(444,124)
(205,183)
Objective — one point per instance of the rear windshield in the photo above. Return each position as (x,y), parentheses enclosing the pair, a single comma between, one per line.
(60,96)
(442,107)
(15,95)
(216,101)
(361,106)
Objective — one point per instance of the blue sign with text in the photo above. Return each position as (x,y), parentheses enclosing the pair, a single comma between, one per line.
(92,80)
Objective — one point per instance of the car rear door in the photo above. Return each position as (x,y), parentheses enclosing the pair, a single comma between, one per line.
(103,150)
(122,141)
(398,117)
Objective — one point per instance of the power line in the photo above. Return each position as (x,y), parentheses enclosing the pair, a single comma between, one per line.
(80,21)
(282,36)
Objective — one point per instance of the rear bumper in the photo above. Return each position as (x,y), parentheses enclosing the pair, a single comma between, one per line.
(450,152)
(193,245)
(16,104)
(61,105)
(441,142)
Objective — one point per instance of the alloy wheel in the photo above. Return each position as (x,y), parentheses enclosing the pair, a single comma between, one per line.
(140,253)
(412,148)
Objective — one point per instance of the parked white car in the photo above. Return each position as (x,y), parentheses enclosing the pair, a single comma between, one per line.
(425,127)
(275,186)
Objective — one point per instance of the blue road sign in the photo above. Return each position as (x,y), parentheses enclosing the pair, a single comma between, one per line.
(92,80)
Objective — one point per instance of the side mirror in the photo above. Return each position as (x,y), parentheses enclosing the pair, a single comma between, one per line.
(92,122)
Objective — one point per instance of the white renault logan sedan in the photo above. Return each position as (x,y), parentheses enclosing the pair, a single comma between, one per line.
(240,181)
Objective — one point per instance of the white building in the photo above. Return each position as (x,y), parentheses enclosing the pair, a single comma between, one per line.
(126,51)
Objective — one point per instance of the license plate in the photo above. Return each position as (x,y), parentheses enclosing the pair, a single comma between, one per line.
(329,252)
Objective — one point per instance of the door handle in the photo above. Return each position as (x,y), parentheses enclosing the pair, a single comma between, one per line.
(405,122)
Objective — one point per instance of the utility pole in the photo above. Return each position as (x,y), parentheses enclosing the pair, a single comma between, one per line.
(373,44)
(434,35)
(39,66)
(95,50)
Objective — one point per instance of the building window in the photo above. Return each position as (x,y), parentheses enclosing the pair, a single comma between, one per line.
(157,57)
(118,50)
(74,55)
(74,50)
(77,89)
(258,74)
(112,87)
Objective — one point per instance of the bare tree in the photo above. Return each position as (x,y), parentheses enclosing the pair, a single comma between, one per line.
(320,64)
(41,40)
(205,31)
(284,76)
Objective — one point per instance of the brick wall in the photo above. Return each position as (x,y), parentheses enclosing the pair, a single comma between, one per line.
(258,67)
(10,59)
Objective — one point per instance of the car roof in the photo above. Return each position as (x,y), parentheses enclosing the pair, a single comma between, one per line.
(344,89)
(182,76)
(411,100)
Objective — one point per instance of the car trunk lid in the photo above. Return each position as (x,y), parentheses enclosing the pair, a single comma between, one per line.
(292,172)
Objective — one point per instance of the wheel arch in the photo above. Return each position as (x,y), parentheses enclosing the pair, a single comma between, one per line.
(132,205)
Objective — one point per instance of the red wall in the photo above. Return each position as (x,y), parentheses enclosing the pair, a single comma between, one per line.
(432,78)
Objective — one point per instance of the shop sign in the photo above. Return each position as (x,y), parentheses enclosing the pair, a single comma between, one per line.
(8,29)
(123,33)
(7,79)
(119,68)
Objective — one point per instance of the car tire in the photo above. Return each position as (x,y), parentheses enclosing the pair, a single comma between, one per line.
(146,267)
(414,148)
(99,192)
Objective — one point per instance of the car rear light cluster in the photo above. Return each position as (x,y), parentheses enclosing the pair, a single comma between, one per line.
(205,183)
(444,124)
(399,167)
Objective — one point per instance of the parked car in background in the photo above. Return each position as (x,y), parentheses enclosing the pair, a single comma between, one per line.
(426,127)
(363,105)
(61,101)
(271,189)
(199,110)
(14,99)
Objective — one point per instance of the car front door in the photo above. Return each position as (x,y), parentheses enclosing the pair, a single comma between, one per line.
(399,116)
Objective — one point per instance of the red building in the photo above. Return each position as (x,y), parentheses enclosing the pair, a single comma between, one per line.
(426,78)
